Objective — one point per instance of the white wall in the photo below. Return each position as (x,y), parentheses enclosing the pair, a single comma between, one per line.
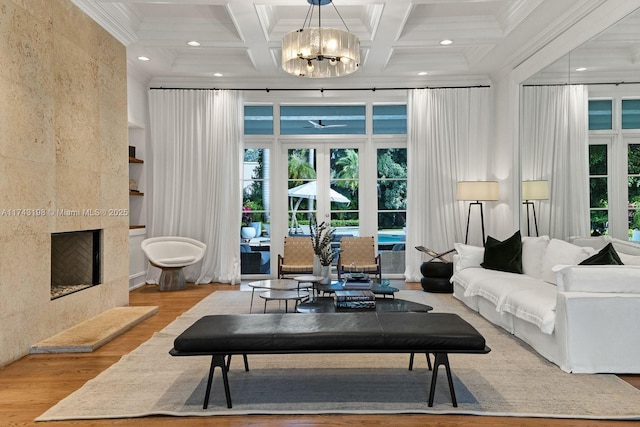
(137,101)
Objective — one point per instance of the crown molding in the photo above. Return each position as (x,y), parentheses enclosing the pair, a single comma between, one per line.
(110,16)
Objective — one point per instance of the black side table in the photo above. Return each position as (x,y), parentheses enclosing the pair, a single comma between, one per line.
(436,276)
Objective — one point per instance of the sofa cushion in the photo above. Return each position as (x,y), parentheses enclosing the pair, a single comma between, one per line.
(560,252)
(468,256)
(504,255)
(606,256)
(534,304)
(533,250)
(493,285)
(599,278)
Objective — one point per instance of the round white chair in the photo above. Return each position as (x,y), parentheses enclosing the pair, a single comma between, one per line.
(172,254)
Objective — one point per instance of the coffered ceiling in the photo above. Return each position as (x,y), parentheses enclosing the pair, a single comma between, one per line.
(240,39)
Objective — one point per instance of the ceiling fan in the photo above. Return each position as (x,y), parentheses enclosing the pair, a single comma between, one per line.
(320,125)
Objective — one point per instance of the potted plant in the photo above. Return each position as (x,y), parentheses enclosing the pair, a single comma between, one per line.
(321,238)
(246,231)
(635,226)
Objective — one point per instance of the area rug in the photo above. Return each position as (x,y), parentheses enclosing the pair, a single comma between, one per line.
(512,380)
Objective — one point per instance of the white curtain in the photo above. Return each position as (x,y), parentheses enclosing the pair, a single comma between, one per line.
(196,151)
(555,148)
(449,133)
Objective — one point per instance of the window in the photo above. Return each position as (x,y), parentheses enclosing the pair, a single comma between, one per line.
(600,114)
(392,197)
(614,167)
(633,179)
(389,119)
(258,120)
(322,120)
(356,153)
(598,189)
(631,114)
(256,213)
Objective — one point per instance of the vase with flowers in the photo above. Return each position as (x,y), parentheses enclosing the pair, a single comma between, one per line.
(246,231)
(321,238)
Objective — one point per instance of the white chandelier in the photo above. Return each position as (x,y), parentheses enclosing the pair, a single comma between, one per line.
(320,52)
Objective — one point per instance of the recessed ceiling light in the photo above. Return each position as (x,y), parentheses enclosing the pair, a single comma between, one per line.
(143,58)
(581,69)
(446,42)
(193,43)
(218,74)
(422,73)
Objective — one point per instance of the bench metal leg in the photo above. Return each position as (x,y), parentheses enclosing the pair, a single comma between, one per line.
(442,359)
(246,362)
(217,360)
(411,361)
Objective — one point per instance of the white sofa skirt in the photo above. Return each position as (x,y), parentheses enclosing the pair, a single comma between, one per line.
(593,332)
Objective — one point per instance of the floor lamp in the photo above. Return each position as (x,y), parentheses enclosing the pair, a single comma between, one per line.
(476,192)
(533,190)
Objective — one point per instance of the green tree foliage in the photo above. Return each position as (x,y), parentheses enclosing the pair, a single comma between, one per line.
(392,187)
(299,167)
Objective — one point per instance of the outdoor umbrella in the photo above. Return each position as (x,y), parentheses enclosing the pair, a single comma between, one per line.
(309,190)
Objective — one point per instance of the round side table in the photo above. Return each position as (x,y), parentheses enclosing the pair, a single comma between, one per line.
(436,276)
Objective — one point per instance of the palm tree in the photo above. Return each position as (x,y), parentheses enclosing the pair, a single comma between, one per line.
(299,168)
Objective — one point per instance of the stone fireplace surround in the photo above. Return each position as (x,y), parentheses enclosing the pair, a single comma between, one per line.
(63,148)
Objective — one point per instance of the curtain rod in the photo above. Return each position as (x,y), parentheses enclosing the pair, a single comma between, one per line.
(584,84)
(373,89)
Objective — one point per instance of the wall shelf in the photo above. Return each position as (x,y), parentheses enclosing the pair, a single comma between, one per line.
(135,193)
(134,160)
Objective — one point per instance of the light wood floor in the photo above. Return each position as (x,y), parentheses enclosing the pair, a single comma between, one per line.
(31,385)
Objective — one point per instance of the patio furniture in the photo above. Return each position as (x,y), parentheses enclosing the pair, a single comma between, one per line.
(253,262)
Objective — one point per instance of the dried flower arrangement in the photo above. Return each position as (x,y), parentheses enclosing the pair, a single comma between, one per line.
(321,238)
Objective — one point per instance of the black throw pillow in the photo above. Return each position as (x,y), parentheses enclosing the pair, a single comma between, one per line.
(504,256)
(606,256)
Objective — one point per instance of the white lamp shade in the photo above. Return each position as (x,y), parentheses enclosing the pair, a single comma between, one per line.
(535,190)
(320,52)
(477,190)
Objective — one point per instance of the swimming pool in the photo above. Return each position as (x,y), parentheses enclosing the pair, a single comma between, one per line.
(391,238)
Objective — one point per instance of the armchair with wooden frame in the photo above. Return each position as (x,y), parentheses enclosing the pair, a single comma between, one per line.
(358,255)
(298,257)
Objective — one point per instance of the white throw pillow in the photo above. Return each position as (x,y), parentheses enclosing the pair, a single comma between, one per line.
(533,250)
(595,242)
(626,247)
(629,259)
(560,252)
(468,256)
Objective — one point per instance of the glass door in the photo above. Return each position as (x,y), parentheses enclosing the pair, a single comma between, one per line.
(323,182)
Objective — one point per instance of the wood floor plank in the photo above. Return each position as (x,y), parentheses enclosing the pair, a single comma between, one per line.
(33,384)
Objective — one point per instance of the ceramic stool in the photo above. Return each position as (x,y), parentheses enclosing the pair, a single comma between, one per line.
(436,276)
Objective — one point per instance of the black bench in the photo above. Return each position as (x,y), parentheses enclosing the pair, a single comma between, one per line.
(222,336)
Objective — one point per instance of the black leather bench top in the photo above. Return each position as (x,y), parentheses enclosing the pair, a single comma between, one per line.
(329,332)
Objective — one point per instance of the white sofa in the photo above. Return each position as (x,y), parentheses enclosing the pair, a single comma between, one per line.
(585,319)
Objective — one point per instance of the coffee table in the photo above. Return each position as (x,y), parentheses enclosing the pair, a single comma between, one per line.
(276,285)
(285,296)
(328,305)
(313,280)
(378,287)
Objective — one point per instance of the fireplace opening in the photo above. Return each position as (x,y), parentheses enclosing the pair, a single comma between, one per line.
(75,261)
